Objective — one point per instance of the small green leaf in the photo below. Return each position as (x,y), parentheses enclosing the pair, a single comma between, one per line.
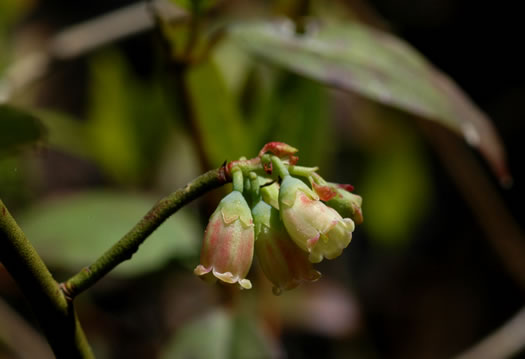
(73,231)
(377,65)
(18,129)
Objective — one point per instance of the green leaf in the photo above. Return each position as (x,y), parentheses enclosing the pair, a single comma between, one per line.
(73,231)
(377,65)
(208,337)
(18,129)
(219,122)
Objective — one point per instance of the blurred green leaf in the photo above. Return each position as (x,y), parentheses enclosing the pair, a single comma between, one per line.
(128,119)
(377,65)
(18,129)
(73,231)
(219,122)
(208,337)
(65,133)
(219,334)
(397,188)
(301,117)
(109,120)
(199,5)
(234,64)
(249,340)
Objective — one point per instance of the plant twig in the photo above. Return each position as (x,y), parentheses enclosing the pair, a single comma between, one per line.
(129,244)
(55,314)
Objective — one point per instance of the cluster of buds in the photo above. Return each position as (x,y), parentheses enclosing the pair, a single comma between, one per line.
(286,215)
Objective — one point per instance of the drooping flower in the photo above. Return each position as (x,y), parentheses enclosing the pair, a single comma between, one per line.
(282,261)
(227,250)
(313,226)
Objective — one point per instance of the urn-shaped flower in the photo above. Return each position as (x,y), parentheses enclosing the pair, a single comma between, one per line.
(227,250)
(282,261)
(313,226)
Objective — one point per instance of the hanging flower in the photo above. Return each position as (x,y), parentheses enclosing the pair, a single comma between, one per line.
(283,263)
(313,226)
(227,251)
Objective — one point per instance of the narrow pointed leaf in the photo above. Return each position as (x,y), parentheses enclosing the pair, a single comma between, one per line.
(377,65)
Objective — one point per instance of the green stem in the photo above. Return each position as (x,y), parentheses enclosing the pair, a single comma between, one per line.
(302,171)
(54,312)
(279,167)
(238,181)
(129,244)
(255,189)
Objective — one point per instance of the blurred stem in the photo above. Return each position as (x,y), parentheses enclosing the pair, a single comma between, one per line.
(129,244)
(194,30)
(22,339)
(505,342)
(54,312)
(83,38)
(501,230)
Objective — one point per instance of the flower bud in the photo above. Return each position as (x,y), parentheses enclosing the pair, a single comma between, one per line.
(285,264)
(227,250)
(347,204)
(313,226)
(280,149)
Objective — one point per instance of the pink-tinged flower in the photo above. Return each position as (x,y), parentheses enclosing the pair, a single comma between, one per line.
(227,250)
(283,263)
(313,226)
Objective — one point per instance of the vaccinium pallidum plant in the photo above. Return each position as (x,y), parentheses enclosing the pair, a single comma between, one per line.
(288,214)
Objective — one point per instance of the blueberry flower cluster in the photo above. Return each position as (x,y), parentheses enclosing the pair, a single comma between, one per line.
(286,215)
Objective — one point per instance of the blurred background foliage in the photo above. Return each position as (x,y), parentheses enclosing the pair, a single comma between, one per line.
(93,139)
